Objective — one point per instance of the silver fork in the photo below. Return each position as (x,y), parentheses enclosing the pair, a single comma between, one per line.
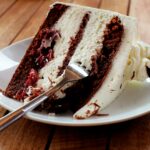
(72,73)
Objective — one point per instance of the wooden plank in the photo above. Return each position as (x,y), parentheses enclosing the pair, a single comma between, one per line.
(133,135)
(141,10)
(15,18)
(5,5)
(36,20)
(25,135)
(67,138)
(120,6)
(91,3)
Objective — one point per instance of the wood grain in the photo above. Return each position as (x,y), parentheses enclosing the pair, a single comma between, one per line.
(120,6)
(67,138)
(5,5)
(36,20)
(141,10)
(25,135)
(91,3)
(133,135)
(15,19)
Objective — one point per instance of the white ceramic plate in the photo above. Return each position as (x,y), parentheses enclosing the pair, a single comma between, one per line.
(133,102)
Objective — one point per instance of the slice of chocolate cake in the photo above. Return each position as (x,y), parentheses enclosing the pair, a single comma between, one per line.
(98,40)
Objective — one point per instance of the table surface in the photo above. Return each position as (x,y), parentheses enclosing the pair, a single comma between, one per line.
(20,19)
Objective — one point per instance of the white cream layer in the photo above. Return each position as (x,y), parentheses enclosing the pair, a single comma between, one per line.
(91,42)
(114,82)
(89,45)
(68,25)
(138,59)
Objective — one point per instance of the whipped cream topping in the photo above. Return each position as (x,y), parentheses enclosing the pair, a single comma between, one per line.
(139,60)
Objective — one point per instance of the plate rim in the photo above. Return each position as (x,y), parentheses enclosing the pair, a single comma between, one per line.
(34,116)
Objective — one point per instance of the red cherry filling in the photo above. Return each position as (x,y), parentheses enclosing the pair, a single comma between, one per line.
(42,55)
(42,60)
(50,55)
(45,52)
(21,94)
(32,78)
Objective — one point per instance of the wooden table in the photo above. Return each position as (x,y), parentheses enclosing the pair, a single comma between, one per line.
(20,19)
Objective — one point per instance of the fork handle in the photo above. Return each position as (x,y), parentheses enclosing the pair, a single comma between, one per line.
(21,111)
(10,118)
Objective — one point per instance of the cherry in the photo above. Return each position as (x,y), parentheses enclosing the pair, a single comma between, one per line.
(21,94)
(32,77)
(50,55)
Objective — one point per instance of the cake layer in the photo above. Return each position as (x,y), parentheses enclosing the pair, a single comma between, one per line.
(101,62)
(114,81)
(52,49)
(18,80)
(89,47)
(71,34)
(98,40)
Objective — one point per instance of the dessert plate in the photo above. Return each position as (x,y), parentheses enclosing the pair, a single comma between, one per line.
(133,102)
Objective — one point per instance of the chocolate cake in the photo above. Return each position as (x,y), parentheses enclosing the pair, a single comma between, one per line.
(98,40)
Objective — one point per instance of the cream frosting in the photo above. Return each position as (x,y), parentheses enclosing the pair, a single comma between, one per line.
(139,59)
